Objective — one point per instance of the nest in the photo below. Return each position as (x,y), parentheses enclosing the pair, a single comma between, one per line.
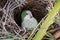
(12,19)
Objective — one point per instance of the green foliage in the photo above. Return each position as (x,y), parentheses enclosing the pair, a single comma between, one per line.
(51,37)
(53,30)
(57,20)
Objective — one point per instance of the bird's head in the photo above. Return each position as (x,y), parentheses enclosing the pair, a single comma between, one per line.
(26,13)
(29,13)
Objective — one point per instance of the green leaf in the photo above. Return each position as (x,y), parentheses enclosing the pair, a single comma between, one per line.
(53,30)
(57,20)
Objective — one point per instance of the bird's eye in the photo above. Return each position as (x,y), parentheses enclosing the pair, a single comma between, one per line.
(26,14)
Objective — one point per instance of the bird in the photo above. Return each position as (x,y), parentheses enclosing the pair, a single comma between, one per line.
(29,22)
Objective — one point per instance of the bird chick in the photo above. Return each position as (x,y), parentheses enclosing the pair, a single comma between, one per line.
(29,22)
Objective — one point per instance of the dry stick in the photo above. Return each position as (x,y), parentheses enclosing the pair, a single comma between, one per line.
(18,5)
(7,10)
(0,9)
(13,6)
(17,1)
(17,33)
(16,24)
(4,11)
(5,5)
(8,6)
(4,23)
(13,20)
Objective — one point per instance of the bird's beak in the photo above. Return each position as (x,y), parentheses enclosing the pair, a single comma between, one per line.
(31,15)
